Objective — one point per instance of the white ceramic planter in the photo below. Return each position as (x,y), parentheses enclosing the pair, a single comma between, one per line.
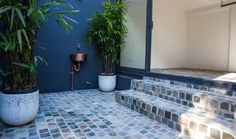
(19,109)
(107,83)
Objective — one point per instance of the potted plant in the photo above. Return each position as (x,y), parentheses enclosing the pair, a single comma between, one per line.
(108,31)
(19,100)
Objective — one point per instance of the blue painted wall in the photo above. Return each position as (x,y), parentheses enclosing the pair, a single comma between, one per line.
(58,46)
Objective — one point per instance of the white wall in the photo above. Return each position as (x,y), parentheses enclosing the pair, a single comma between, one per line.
(169,34)
(232,57)
(133,56)
(208,40)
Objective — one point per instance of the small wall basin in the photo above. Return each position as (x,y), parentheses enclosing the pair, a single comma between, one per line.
(78,57)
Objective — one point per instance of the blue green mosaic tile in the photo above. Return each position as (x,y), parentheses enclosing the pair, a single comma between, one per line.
(87,114)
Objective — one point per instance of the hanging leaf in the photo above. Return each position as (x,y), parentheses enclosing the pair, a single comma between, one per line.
(19,37)
(26,38)
(21,65)
(21,17)
(30,11)
(41,59)
(4,9)
(12,19)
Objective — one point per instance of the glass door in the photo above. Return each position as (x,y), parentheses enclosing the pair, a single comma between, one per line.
(134,54)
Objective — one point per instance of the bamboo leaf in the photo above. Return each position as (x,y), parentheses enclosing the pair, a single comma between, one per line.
(21,65)
(64,12)
(4,9)
(32,68)
(63,23)
(19,37)
(21,17)
(12,18)
(2,36)
(62,2)
(70,19)
(3,73)
(41,59)
(7,46)
(41,14)
(34,3)
(26,38)
(30,11)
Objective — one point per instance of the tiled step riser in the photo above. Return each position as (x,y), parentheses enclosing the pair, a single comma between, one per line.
(199,101)
(227,92)
(148,110)
(174,120)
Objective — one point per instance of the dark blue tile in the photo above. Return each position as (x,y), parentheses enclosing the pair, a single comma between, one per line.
(32,133)
(143,132)
(167,114)
(168,92)
(164,120)
(90,134)
(175,118)
(103,126)
(170,124)
(57,135)
(224,106)
(178,101)
(166,97)
(87,130)
(185,103)
(188,97)
(55,130)
(43,131)
(44,135)
(93,126)
(182,95)
(154,109)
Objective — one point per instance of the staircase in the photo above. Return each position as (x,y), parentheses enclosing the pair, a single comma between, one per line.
(196,111)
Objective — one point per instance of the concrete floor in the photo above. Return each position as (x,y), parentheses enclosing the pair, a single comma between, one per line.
(199,73)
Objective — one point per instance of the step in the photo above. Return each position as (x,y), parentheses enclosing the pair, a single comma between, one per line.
(227,92)
(201,100)
(182,118)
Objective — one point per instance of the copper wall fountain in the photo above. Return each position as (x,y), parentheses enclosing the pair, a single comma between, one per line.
(76,59)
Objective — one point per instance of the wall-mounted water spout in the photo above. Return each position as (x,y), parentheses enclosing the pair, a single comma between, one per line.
(76,59)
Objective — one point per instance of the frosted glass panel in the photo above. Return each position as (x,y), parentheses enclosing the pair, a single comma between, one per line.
(133,56)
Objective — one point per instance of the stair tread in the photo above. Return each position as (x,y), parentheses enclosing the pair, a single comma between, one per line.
(221,97)
(203,117)
(218,88)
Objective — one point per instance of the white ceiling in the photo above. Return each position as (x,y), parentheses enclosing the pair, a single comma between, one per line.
(194,4)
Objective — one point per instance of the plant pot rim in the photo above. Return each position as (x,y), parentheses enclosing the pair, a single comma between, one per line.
(18,92)
(107,75)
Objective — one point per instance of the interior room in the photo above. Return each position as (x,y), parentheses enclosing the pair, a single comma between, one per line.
(194,38)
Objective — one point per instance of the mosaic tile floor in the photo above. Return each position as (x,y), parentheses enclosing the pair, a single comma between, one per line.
(87,114)
(198,73)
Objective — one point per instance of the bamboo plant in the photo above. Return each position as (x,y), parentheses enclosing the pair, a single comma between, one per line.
(22,20)
(108,30)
